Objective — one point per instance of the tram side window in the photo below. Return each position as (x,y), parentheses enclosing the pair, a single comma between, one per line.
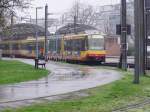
(5,46)
(65,45)
(58,45)
(54,44)
(75,45)
(23,46)
(2,46)
(51,48)
(41,45)
(68,45)
(79,45)
(15,47)
(83,45)
(31,46)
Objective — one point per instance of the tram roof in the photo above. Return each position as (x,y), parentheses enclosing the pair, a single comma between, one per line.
(74,28)
(22,31)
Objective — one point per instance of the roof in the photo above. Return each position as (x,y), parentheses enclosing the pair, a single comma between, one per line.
(74,28)
(22,31)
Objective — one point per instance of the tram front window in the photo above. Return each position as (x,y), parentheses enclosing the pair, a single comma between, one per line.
(96,42)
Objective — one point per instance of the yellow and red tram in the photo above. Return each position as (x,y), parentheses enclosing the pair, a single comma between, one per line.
(80,47)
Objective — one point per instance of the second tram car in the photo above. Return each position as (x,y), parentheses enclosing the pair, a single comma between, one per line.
(22,48)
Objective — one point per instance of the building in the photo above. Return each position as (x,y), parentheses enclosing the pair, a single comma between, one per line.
(109,17)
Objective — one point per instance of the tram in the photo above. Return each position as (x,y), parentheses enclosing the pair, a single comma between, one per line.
(80,47)
(22,48)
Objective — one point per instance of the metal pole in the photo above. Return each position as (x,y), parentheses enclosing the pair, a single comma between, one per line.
(146,39)
(143,40)
(147,27)
(37,52)
(30,19)
(12,23)
(139,39)
(12,19)
(75,23)
(46,29)
(123,36)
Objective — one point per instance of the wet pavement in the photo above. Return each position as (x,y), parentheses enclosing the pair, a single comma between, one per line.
(64,78)
(130,59)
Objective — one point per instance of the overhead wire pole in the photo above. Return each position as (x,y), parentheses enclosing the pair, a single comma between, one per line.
(146,35)
(36,36)
(46,29)
(139,39)
(123,56)
(76,16)
(12,23)
(12,19)
(147,27)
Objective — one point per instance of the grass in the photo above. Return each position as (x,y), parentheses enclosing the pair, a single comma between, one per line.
(100,99)
(15,71)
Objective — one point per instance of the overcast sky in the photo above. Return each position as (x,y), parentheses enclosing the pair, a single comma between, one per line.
(60,6)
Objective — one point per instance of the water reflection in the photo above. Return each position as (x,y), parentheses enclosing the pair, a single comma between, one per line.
(63,79)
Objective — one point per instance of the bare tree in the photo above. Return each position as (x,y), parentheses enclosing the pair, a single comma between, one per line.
(7,7)
(85,14)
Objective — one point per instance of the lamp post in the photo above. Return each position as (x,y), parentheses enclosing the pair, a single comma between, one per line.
(12,23)
(46,29)
(36,35)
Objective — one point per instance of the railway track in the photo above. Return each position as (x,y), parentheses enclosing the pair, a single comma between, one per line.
(130,65)
(113,61)
(133,106)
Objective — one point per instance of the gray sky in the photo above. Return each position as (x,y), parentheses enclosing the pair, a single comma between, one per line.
(60,6)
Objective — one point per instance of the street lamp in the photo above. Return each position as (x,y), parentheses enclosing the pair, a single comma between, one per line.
(37,50)
(46,29)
